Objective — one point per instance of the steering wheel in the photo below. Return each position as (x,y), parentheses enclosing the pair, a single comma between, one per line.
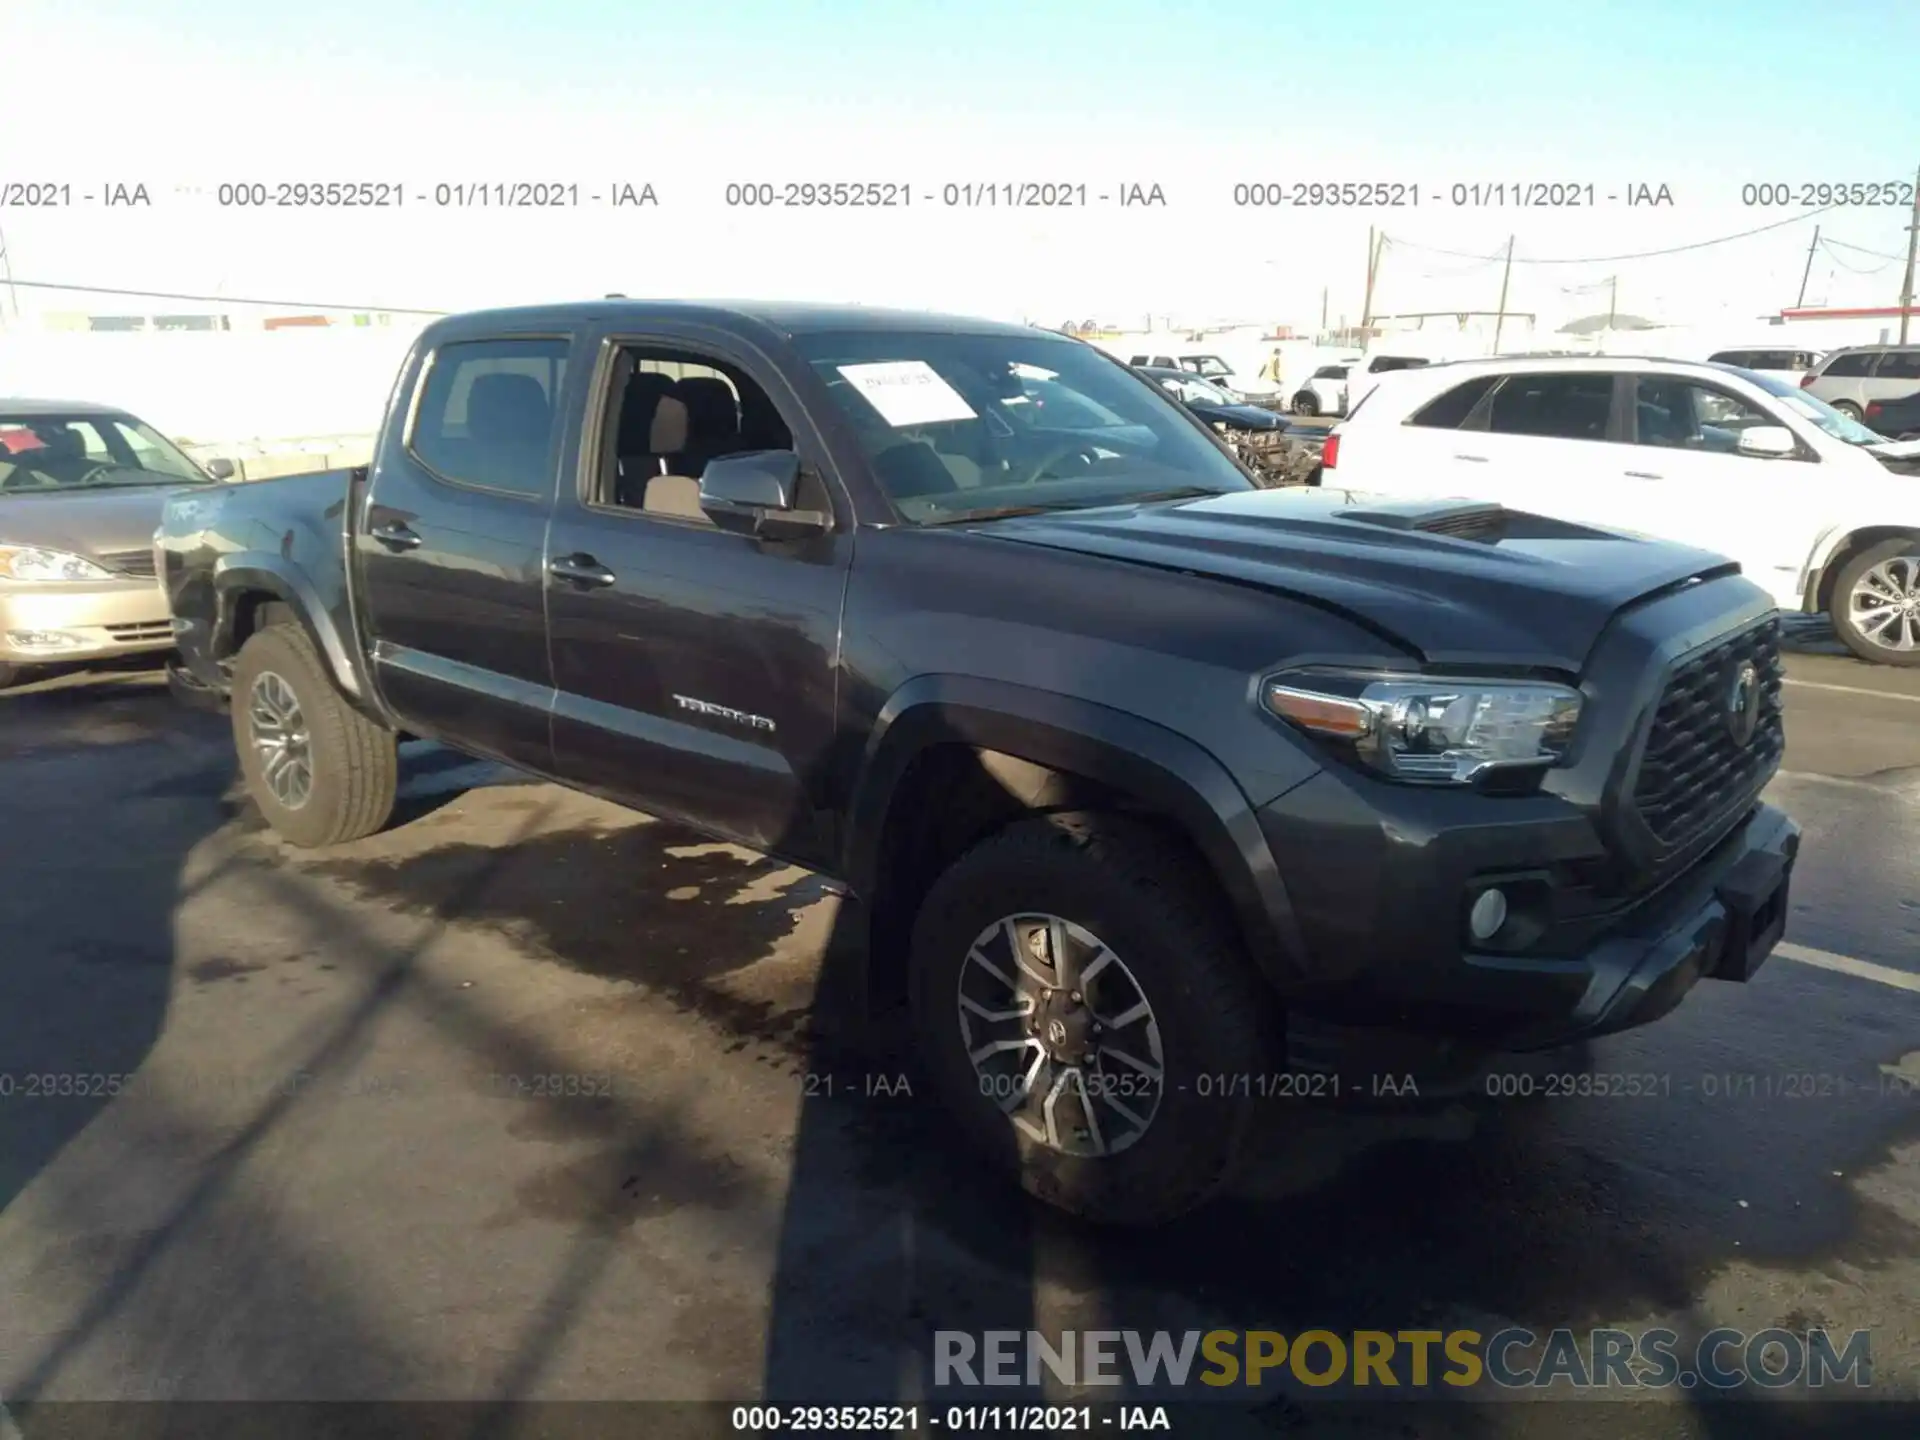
(1084,449)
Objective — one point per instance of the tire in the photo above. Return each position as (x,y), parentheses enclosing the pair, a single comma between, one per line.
(353,764)
(1305,403)
(1161,912)
(1847,408)
(1902,561)
(8,674)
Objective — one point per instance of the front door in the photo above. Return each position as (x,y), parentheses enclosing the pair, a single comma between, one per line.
(695,669)
(451,546)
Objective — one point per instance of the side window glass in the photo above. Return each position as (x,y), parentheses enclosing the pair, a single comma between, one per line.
(1677,414)
(1899,365)
(488,413)
(1451,410)
(1849,366)
(1562,407)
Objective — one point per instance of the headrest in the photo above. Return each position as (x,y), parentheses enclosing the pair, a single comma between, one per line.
(63,443)
(644,391)
(711,409)
(669,430)
(507,409)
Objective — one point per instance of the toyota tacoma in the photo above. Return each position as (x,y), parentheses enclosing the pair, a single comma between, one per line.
(1153,786)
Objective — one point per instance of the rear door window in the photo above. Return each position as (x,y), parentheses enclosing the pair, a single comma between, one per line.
(489,413)
(1899,365)
(1850,366)
(1560,407)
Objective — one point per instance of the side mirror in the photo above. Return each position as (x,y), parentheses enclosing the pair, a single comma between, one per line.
(1768,442)
(221,469)
(756,494)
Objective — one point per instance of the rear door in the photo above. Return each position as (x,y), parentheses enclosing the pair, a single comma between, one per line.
(451,544)
(1539,440)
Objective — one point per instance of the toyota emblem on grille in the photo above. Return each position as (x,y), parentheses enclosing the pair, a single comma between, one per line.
(1743,704)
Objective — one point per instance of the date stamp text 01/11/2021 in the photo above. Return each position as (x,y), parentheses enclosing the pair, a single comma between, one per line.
(902,193)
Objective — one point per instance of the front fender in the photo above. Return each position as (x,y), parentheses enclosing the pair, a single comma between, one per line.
(1164,770)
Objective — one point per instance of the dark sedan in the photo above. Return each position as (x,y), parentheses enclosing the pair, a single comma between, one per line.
(1895,419)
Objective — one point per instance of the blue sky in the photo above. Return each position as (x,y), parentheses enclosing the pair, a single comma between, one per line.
(1702,96)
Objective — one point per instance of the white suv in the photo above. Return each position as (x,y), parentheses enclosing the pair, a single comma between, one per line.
(1818,509)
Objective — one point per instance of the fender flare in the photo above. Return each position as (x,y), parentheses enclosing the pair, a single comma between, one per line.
(246,572)
(1177,777)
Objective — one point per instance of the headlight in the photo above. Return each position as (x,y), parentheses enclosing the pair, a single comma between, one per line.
(1431,729)
(31,562)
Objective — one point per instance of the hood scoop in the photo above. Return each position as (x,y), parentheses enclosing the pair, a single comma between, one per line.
(1484,522)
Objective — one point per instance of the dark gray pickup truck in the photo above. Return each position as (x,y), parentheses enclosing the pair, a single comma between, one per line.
(1167,796)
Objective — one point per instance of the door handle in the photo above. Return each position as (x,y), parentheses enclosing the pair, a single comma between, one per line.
(1641,475)
(580,570)
(1477,459)
(395,535)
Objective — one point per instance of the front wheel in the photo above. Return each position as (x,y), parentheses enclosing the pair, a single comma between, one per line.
(1876,603)
(320,771)
(1088,1014)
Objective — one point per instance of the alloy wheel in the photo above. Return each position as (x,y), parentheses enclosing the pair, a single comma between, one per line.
(280,739)
(1061,1035)
(1884,605)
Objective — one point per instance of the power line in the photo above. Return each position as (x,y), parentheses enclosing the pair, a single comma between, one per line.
(1887,262)
(1801,218)
(1877,254)
(219,299)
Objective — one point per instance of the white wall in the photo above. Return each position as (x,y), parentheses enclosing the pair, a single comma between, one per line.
(213,388)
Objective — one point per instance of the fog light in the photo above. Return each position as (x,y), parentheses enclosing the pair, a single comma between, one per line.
(1489,913)
(44,639)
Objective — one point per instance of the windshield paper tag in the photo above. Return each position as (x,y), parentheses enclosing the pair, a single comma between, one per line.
(907,392)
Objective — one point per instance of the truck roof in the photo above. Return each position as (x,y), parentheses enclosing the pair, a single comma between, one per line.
(785,317)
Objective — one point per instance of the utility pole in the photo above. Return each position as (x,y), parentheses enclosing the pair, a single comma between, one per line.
(1323,309)
(6,276)
(1500,318)
(1613,299)
(1801,298)
(1913,243)
(1375,244)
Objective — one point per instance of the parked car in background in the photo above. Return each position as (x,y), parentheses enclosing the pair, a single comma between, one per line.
(81,491)
(1821,511)
(1851,379)
(1259,438)
(1142,776)
(1896,419)
(1790,365)
(1208,366)
(1324,392)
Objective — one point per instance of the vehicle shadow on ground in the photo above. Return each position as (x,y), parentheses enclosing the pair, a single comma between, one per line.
(84,988)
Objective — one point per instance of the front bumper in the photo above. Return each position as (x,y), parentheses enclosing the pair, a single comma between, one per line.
(60,624)
(1381,902)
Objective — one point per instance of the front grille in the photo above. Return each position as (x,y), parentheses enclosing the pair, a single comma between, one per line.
(136,563)
(1695,769)
(143,630)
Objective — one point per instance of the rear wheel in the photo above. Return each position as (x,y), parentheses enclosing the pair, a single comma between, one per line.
(321,772)
(1084,1008)
(1306,403)
(1847,408)
(1876,603)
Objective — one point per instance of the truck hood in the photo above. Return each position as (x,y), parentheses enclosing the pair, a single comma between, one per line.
(87,522)
(1505,588)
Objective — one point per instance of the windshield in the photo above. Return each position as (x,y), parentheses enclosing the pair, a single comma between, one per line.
(958,426)
(1809,407)
(1211,366)
(1206,393)
(88,452)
